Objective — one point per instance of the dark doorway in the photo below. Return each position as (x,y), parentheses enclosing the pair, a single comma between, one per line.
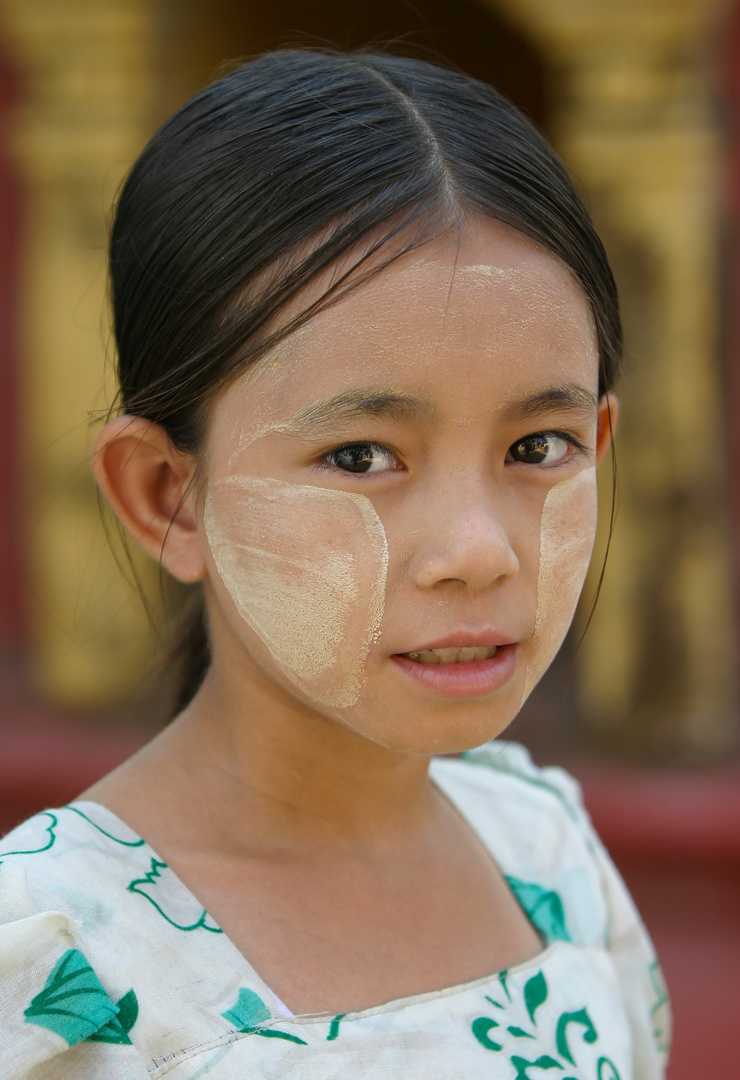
(464,33)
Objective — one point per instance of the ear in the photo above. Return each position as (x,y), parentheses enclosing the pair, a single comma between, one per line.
(149,485)
(606,425)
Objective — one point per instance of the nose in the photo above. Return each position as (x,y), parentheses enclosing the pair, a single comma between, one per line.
(465,541)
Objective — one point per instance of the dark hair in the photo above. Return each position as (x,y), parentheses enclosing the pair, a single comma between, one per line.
(282,168)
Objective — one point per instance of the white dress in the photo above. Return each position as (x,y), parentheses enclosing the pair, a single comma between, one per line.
(111,969)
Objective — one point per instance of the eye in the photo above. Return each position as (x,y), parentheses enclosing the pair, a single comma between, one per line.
(362,458)
(543,448)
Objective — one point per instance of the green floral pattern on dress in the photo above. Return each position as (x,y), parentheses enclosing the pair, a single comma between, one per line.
(659,1012)
(138,842)
(151,880)
(535,995)
(334,1027)
(73,1003)
(544,909)
(249,1011)
(47,836)
(117,1030)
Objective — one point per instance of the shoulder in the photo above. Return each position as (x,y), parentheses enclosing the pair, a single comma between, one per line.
(53,1001)
(73,857)
(507,769)
(107,960)
(536,827)
(516,804)
(534,823)
(85,863)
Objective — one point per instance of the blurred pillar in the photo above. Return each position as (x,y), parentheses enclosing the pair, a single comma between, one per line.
(88,79)
(633,118)
(730,72)
(12,569)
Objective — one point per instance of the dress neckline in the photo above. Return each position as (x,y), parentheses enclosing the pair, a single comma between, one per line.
(251,976)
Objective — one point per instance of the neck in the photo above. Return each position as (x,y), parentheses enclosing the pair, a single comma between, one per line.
(295,776)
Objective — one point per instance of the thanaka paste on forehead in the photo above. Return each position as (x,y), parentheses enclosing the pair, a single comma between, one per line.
(306,568)
(567,532)
(246,432)
(555,297)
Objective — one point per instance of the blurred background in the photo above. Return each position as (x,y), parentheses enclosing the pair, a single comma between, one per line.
(642,99)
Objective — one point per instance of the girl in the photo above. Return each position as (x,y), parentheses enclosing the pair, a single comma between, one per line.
(366,339)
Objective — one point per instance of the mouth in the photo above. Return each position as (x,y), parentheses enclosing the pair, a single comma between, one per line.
(459,671)
(466,654)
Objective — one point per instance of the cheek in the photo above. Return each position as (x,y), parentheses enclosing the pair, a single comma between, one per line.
(306,568)
(567,532)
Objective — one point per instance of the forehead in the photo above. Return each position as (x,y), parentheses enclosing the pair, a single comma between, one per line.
(488,310)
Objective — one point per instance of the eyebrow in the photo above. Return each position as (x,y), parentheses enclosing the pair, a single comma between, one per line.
(569,398)
(391,405)
(353,404)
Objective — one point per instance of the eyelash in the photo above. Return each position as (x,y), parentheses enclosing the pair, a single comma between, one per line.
(571,440)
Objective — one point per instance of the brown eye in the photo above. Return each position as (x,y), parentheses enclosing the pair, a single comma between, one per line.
(539,449)
(362,458)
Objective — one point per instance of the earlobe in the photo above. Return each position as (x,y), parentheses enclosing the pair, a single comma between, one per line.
(149,485)
(606,425)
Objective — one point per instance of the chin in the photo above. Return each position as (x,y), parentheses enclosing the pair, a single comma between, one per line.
(427,735)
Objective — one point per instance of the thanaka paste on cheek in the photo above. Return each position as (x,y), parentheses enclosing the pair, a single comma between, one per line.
(306,568)
(567,532)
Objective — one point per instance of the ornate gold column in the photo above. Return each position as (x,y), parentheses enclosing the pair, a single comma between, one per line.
(88,75)
(635,122)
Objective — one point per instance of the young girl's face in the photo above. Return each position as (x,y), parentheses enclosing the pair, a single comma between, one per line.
(400,499)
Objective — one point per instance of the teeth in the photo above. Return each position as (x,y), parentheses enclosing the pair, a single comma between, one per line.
(466,655)
(453,656)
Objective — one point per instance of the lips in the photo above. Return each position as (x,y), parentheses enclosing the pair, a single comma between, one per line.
(460,678)
(463,664)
